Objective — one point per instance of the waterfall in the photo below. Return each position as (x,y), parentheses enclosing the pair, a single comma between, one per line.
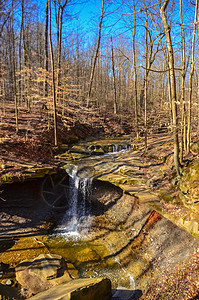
(118,148)
(115,148)
(78,211)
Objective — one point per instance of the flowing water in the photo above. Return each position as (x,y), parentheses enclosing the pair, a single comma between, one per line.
(70,239)
(103,231)
(77,217)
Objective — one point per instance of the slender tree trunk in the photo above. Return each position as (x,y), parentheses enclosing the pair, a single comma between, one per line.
(59,54)
(198,78)
(4,97)
(135,74)
(53,77)
(114,79)
(190,81)
(46,49)
(20,61)
(146,85)
(96,55)
(59,24)
(183,74)
(14,77)
(173,85)
(26,96)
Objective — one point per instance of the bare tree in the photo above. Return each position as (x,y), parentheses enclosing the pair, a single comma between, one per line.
(114,78)
(59,11)
(190,80)
(46,47)
(53,76)
(14,76)
(183,75)
(172,84)
(96,54)
(135,70)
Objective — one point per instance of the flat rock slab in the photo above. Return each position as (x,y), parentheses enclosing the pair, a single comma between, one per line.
(79,289)
(36,275)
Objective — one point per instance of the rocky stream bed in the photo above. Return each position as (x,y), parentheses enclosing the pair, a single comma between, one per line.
(128,229)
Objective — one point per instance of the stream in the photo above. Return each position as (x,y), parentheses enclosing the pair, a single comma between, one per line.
(98,223)
(73,237)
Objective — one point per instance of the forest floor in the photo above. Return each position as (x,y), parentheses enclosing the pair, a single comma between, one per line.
(33,144)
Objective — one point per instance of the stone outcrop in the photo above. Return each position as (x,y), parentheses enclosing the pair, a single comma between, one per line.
(81,289)
(28,173)
(42,272)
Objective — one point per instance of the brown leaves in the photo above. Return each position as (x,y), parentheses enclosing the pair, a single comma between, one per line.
(180,284)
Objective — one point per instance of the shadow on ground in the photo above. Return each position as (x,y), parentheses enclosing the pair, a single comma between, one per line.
(123,294)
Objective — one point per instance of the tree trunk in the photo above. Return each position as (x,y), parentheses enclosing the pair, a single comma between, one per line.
(183,74)
(172,85)
(190,81)
(114,79)
(145,85)
(53,77)
(46,49)
(26,96)
(14,77)
(135,74)
(96,55)
(59,54)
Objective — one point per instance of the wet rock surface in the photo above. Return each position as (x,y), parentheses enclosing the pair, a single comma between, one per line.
(127,219)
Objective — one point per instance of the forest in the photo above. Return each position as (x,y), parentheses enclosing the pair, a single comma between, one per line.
(99,148)
(70,62)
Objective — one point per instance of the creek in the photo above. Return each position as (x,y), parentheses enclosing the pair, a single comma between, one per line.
(75,237)
(97,221)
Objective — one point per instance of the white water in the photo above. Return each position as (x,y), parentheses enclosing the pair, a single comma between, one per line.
(77,218)
(119,148)
(76,224)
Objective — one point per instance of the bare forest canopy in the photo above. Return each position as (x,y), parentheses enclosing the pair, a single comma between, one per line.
(74,61)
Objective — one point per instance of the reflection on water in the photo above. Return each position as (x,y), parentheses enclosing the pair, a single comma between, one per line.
(91,260)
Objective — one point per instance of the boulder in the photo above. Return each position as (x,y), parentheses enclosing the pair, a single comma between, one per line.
(42,272)
(81,289)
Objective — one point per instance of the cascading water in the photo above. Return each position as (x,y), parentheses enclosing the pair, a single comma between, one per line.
(76,236)
(116,148)
(78,212)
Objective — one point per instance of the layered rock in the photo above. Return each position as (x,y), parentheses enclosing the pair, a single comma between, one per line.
(81,289)
(43,272)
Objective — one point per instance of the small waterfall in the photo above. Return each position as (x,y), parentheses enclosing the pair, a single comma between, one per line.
(78,212)
(85,185)
(115,148)
(73,193)
(118,148)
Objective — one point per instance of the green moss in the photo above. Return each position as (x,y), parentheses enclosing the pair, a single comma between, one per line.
(143,181)
(31,173)
(77,253)
(195,235)
(6,178)
(65,156)
(126,171)
(60,149)
(165,196)
(4,166)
